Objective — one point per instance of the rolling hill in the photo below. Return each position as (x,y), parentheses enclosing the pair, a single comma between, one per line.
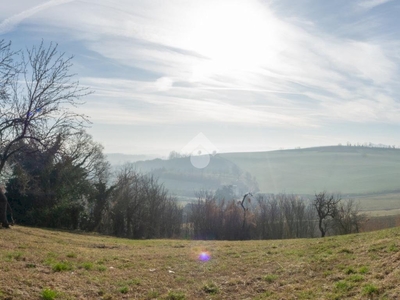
(349,170)
(369,174)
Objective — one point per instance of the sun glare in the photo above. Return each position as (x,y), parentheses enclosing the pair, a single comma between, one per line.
(233,36)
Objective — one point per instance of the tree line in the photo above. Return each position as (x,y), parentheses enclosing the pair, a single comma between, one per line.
(271,217)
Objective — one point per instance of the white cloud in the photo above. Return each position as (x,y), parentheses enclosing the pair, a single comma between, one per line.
(368,4)
(233,62)
(9,23)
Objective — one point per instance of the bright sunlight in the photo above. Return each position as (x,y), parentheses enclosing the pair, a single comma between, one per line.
(233,36)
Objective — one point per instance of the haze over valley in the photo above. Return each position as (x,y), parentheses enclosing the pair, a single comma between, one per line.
(368,174)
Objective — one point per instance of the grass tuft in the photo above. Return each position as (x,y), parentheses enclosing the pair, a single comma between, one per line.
(61,266)
(101,268)
(14,256)
(355,278)
(87,266)
(345,250)
(370,289)
(175,296)
(49,294)
(152,295)
(349,270)
(210,288)
(270,278)
(342,286)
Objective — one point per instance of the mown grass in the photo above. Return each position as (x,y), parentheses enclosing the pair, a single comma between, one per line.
(45,264)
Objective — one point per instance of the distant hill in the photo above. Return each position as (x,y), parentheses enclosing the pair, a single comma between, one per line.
(353,171)
(183,179)
(120,159)
(349,170)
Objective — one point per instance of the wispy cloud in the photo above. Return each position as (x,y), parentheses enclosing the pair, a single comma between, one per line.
(9,23)
(369,4)
(230,62)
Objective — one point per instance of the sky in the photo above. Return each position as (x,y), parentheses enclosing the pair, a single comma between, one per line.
(228,75)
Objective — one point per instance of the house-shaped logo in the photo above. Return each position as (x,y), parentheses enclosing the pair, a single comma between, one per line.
(200,150)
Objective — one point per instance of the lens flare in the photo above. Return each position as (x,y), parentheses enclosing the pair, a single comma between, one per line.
(204,256)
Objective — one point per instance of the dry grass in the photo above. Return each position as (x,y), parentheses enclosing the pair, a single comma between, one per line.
(44,264)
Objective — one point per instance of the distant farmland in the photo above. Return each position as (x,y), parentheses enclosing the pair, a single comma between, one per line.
(370,175)
(350,170)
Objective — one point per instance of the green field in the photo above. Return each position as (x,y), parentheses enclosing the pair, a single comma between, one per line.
(370,175)
(349,170)
(45,264)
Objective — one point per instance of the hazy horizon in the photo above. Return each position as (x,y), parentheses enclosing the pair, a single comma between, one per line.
(150,156)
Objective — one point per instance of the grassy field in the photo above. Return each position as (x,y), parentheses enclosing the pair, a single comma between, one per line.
(44,264)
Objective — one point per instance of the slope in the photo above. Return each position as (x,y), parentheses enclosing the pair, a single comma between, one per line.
(349,170)
(35,263)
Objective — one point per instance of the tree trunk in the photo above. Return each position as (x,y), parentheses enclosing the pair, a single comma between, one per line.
(3,210)
(321,228)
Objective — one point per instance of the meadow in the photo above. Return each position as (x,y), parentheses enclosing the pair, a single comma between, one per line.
(46,264)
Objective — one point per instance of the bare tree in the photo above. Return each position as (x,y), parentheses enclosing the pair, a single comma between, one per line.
(39,102)
(347,217)
(205,214)
(85,153)
(8,70)
(294,211)
(141,208)
(37,98)
(270,218)
(326,207)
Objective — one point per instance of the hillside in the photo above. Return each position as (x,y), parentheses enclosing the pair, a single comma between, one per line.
(350,170)
(366,174)
(182,179)
(36,263)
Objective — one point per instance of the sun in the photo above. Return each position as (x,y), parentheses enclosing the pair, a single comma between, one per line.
(232,36)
